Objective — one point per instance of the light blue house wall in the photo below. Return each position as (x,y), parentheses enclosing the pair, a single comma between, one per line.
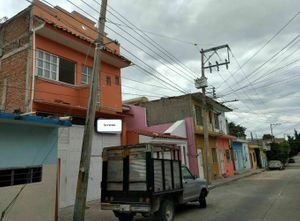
(24,145)
(29,141)
(241,155)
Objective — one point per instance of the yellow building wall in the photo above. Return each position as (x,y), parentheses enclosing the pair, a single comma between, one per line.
(214,167)
(253,158)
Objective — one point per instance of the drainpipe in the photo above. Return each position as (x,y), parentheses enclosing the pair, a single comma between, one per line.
(33,62)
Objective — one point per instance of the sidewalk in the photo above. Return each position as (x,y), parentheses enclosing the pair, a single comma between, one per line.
(227,180)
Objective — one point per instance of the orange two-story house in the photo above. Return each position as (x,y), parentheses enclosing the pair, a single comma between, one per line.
(46,58)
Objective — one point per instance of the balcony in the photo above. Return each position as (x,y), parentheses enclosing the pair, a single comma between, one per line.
(62,98)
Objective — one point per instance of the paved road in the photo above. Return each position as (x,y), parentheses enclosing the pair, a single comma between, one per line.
(269,196)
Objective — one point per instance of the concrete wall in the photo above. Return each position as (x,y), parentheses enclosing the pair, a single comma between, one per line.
(168,110)
(69,150)
(23,145)
(37,200)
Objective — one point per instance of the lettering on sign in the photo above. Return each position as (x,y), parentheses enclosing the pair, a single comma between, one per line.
(111,126)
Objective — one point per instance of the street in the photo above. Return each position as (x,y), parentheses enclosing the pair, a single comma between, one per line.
(269,196)
(272,195)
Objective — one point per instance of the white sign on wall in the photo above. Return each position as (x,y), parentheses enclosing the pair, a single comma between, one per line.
(111,126)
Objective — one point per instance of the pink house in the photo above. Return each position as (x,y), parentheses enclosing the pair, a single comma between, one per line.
(138,131)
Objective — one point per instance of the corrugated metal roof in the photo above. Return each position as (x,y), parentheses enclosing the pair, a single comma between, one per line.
(10,117)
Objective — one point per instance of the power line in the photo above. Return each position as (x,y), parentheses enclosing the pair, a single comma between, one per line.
(177,86)
(150,40)
(142,43)
(167,82)
(278,69)
(269,41)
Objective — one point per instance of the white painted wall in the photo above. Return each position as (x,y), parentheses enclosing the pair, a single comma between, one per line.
(37,200)
(69,150)
(177,129)
(222,123)
(246,156)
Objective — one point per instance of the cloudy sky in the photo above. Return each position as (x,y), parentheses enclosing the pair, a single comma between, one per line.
(166,38)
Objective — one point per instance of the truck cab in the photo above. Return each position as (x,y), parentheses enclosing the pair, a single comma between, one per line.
(147,179)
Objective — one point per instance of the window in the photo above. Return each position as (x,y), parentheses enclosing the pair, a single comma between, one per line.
(108,81)
(186,174)
(117,80)
(86,74)
(210,117)
(66,71)
(214,155)
(198,113)
(47,65)
(18,176)
(217,125)
(52,67)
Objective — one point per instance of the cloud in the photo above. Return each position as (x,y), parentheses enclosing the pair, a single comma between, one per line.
(269,96)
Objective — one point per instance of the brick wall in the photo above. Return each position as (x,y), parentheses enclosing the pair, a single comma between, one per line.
(14,42)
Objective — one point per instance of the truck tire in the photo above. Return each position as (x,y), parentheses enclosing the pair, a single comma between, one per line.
(202,199)
(166,211)
(124,216)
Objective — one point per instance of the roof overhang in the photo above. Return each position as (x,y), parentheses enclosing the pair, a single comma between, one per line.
(74,111)
(33,120)
(65,38)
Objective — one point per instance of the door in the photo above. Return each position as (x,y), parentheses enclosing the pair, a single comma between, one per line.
(221,162)
(190,187)
(200,164)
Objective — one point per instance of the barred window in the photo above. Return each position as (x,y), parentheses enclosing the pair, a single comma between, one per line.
(47,65)
(18,176)
(86,74)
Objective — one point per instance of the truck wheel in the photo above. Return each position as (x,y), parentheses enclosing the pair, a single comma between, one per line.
(124,216)
(166,211)
(202,200)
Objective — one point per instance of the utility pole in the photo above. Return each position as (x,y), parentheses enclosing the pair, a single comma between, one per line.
(202,83)
(271,127)
(84,167)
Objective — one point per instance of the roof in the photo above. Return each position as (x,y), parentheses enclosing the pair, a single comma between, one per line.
(75,24)
(41,121)
(136,101)
(196,96)
(155,134)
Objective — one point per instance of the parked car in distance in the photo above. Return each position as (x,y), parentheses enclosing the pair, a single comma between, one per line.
(275,164)
(147,179)
(291,160)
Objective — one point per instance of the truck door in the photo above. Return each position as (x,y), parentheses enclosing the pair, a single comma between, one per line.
(190,187)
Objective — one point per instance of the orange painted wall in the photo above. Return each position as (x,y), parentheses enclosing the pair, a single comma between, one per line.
(132,138)
(223,144)
(77,94)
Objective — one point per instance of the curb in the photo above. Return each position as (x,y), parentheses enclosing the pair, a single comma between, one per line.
(211,187)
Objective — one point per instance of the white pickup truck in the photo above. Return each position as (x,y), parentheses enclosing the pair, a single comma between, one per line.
(147,179)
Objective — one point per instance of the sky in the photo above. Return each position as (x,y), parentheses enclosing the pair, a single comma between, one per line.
(166,40)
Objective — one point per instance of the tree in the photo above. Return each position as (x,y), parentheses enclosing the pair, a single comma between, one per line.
(236,130)
(294,144)
(279,151)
